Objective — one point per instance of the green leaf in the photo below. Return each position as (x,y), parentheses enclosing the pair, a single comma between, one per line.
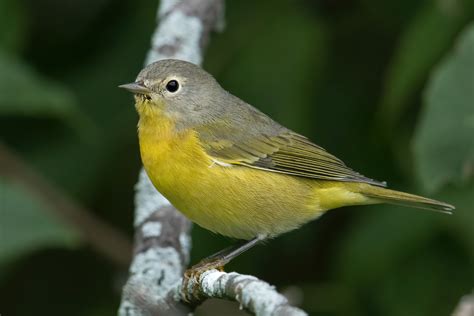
(24,92)
(421,45)
(26,225)
(444,138)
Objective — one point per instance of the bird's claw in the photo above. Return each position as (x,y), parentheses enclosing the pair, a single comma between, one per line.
(190,291)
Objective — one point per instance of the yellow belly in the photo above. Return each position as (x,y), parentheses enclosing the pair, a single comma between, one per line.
(234,201)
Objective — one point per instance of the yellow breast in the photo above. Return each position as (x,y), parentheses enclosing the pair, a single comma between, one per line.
(234,201)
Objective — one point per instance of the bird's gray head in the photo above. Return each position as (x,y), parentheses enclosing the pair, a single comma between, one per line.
(178,89)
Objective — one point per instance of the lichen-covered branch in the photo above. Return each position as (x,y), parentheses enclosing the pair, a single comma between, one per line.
(465,306)
(162,242)
(161,253)
(254,295)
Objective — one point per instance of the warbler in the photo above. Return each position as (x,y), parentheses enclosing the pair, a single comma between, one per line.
(232,169)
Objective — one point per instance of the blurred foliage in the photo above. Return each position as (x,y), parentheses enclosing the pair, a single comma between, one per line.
(447,124)
(26,226)
(43,98)
(421,45)
(385,85)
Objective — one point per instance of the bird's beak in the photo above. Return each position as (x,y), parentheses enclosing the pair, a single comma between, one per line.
(136,87)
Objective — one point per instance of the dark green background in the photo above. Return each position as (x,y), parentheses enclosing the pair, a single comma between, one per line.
(387,86)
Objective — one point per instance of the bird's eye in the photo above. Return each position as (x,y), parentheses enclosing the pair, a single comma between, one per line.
(172,86)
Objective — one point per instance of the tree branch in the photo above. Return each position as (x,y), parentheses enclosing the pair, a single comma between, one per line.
(254,295)
(162,241)
(465,306)
(161,253)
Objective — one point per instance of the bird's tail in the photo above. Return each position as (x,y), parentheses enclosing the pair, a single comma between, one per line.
(405,199)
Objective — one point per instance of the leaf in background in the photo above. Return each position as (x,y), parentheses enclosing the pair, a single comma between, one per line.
(25,224)
(421,45)
(444,138)
(23,92)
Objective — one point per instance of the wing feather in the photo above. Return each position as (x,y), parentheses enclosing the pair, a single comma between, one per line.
(271,147)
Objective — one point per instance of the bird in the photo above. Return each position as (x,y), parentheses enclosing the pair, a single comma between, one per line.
(232,169)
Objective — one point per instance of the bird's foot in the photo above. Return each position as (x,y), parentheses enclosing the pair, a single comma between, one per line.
(190,292)
(193,275)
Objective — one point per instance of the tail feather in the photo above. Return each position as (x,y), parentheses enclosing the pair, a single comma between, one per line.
(405,199)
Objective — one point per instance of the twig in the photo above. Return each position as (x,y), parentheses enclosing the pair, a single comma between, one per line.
(162,242)
(465,306)
(254,295)
(101,236)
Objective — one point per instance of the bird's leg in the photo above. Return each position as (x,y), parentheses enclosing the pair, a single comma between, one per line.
(221,258)
(215,261)
(227,254)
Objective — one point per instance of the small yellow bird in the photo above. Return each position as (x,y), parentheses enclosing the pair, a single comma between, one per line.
(233,170)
